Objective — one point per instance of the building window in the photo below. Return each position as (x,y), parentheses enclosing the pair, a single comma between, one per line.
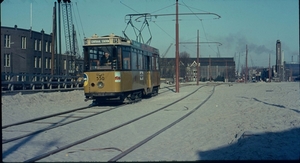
(35,62)
(40,62)
(46,63)
(6,60)
(46,46)
(40,45)
(70,65)
(50,47)
(23,42)
(7,41)
(50,63)
(65,64)
(35,44)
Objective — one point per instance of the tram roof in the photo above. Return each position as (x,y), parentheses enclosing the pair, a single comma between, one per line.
(113,39)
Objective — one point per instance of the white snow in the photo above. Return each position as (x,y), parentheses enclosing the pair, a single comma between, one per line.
(253,121)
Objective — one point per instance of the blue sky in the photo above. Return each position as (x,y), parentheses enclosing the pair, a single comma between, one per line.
(255,23)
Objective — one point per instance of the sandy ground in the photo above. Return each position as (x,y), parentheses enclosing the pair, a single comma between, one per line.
(254,121)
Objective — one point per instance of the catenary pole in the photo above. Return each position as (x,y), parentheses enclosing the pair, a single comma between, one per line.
(198,68)
(177,50)
(246,74)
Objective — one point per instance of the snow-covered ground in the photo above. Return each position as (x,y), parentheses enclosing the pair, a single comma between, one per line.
(245,121)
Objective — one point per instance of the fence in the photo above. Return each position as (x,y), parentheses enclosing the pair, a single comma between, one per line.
(13,82)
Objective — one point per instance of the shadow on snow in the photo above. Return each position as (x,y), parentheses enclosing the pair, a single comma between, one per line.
(283,145)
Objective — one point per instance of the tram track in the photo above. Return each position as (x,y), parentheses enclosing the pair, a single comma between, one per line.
(137,145)
(44,117)
(57,124)
(39,157)
(105,131)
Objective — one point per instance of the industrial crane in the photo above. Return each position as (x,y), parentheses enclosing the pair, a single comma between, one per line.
(70,35)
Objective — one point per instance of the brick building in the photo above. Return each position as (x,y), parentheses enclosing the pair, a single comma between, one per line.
(27,51)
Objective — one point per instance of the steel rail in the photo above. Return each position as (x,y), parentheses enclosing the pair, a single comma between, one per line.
(58,125)
(103,132)
(45,117)
(119,156)
(28,91)
(55,126)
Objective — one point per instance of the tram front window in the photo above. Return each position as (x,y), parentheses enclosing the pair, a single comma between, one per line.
(101,58)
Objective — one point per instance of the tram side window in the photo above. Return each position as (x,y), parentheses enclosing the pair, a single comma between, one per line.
(148,63)
(145,62)
(140,60)
(157,65)
(153,64)
(119,58)
(134,59)
(126,59)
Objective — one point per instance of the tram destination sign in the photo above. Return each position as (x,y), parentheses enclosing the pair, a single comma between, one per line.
(99,41)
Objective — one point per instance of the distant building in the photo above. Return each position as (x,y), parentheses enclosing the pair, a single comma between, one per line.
(292,71)
(27,51)
(217,69)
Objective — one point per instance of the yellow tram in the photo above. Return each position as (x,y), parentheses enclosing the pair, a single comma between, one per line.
(116,68)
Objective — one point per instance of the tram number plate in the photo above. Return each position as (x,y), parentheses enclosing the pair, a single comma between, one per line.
(100,77)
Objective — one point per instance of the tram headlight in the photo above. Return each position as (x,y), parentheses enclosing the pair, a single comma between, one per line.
(100,84)
(85,79)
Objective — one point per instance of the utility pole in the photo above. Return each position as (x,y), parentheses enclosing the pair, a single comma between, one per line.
(246,74)
(238,67)
(53,39)
(226,71)
(58,60)
(291,74)
(177,50)
(269,68)
(198,66)
(209,69)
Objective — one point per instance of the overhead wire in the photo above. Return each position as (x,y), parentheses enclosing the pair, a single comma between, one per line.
(164,31)
(129,7)
(164,21)
(77,32)
(201,25)
(81,39)
(80,19)
(153,12)
(162,8)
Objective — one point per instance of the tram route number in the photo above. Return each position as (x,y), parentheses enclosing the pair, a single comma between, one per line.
(100,77)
